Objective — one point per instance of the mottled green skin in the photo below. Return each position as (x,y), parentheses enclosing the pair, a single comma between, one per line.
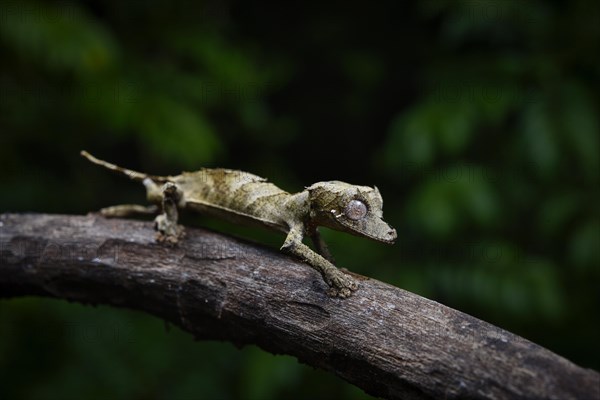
(244,198)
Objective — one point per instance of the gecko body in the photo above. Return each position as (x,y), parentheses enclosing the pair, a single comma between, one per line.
(244,198)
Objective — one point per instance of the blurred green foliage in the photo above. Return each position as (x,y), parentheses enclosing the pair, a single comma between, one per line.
(478,120)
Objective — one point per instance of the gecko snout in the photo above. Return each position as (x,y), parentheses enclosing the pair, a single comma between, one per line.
(391,234)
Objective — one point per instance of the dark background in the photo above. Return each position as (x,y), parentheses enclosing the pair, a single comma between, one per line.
(477,120)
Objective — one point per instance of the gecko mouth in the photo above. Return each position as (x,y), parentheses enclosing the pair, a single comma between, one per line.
(390,237)
(388,234)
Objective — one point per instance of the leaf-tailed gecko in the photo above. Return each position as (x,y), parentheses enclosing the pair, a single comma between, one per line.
(241,197)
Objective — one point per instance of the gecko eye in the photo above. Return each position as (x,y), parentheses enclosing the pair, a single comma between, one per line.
(355,210)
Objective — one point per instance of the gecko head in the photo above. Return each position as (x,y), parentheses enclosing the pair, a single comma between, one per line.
(357,210)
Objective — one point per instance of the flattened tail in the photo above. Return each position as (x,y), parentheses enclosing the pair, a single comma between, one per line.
(134,175)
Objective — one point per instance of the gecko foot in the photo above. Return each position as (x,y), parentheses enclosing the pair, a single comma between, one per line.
(167,231)
(342,285)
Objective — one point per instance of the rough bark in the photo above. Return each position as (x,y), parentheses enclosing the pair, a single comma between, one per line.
(387,341)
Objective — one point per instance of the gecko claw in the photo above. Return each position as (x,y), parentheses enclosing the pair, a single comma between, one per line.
(341,293)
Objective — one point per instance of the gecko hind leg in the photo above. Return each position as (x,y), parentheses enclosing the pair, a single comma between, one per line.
(153,194)
(125,210)
(168,231)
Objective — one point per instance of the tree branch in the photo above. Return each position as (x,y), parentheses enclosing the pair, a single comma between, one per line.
(387,341)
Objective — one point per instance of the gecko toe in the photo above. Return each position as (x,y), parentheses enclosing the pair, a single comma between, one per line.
(341,293)
(342,285)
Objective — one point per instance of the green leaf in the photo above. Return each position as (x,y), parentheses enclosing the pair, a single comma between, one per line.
(556,212)
(431,209)
(539,137)
(78,44)
(581,130)
(584,246)
(177,132)
(455,126)
(410,141)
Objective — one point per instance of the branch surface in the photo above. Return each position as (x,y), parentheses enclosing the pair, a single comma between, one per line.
(385,340)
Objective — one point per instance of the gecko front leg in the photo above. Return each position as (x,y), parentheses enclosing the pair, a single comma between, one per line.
(166,223)
(341,284)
